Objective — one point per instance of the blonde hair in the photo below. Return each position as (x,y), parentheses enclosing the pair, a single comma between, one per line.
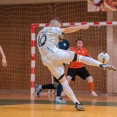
(56,22)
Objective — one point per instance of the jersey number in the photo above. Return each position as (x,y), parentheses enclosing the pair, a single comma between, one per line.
(41,40)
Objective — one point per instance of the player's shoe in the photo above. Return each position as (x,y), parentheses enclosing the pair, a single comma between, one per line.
(59,100)
(93,94)
(79,107)
(38,89)
(107,67)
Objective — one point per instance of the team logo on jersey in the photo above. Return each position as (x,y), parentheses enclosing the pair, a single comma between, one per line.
(64,44)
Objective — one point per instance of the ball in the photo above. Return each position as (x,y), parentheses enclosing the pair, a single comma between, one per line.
(103,57)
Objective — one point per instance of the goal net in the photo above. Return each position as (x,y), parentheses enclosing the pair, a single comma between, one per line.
(96,42)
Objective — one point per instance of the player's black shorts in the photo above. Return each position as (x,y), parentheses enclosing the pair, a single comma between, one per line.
(82,72)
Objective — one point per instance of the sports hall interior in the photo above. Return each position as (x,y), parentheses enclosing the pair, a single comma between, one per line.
(16,18)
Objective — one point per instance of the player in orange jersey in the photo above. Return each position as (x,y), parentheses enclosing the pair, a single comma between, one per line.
(78,68)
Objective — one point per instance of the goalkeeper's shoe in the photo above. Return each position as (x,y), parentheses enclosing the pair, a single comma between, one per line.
(107,67)
(93,93)
(79,107)
(38,89)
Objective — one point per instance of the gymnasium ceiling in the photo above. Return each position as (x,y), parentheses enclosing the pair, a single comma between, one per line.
(34,1)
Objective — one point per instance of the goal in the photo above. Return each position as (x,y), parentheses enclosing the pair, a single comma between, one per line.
(97,29)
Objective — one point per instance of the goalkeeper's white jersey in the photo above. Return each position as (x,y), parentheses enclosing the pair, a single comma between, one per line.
(47,41)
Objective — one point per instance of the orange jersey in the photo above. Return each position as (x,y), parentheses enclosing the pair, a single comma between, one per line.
(82,52)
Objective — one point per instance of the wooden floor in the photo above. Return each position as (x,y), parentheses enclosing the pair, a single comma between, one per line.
(24,105)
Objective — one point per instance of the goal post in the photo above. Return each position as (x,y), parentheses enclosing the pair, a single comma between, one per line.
(33,43)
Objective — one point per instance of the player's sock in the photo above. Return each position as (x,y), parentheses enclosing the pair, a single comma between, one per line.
(90,82)
(91,86)
(48,86)
(89,61)
(69,91)
(59,90)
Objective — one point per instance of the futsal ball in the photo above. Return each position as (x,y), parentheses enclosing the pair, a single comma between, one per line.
(103,58)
